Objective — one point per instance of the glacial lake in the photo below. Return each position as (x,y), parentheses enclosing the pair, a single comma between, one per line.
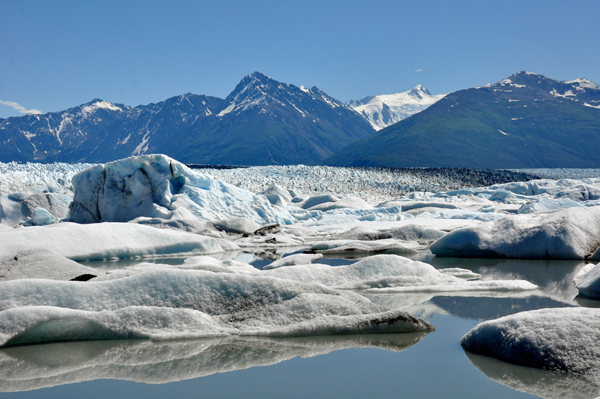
(430,365)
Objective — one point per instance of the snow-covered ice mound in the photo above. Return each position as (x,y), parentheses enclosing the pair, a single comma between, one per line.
(298,259)
(577,190)
(157,362)
(177,304)
(158,186)
(393,273)
(41,263)
(345,247)
(564,339)
(546,204)
(565,234)
(33,207)
(409,232)
(104,241)
(379,273)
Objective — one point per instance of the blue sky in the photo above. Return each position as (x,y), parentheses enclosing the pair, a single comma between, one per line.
(59,54)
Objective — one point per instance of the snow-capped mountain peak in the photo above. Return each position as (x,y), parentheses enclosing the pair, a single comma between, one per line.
(386,109)
(97,104)
(260,91)
(419,92)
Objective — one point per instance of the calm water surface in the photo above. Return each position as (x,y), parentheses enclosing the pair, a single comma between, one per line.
(389,365)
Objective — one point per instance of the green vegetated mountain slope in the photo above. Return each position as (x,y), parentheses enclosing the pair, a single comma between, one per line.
(261,122)
(524,121)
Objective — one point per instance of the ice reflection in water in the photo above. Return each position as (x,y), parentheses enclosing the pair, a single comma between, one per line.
(38,366)
(543,383)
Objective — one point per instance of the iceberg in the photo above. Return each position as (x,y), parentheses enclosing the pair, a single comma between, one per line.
(183,304)
(157,186)
(33,207)
(547,204)
(572,233)
(565,339)
(588,283)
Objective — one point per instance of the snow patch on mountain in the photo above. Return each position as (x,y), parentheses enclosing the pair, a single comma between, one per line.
(387,109)
(584,83)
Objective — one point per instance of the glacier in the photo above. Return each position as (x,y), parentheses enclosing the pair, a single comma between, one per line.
(211,224)
(386,109)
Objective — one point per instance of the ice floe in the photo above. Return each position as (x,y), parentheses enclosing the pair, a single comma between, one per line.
(378,273)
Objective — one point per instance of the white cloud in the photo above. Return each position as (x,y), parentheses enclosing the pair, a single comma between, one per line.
(418,70)
(20,108)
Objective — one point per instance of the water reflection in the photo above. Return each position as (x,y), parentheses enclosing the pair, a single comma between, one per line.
(467,305)
(543,383)
(39,366)
(586,302)
(554,277)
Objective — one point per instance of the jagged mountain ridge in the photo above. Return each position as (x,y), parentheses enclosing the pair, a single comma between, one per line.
(262,121)
(526,120)
(386,109)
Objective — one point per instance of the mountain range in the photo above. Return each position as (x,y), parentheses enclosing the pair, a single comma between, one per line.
(524,121)
(261,122)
